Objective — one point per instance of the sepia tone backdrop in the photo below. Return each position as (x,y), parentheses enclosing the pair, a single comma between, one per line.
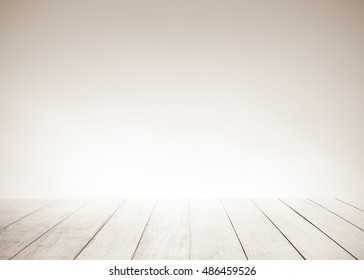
(181,98)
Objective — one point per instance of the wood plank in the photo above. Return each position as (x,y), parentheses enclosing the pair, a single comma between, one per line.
(345,211)
(167,235)
(69,237)
(16,209)
(348,236)
(308,240)
(260,238)
(17,236)
(6,203)
(212,235)
(119,238)
(354,202)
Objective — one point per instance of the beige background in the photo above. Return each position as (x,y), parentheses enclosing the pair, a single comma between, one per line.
(181,98)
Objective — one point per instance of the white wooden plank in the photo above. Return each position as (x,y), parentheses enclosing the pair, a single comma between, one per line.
(355,202)
(308,240)
(119,238)
(17,236)
(351,214)
(260,238)
(6,203)
(69,237)
(348,236)
(212,235)
(167,234)
(13,210)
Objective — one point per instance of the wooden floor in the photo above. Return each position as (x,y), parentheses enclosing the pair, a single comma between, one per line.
(182,229)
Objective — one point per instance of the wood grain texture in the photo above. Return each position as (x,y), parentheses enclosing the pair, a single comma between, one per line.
(212,235)
(260,238)
(355,202)
(119,238)
(308,240)
(14,210)
(351,214)
(68,238)
(348,236)
(17,236)
(182,229)
(167,234)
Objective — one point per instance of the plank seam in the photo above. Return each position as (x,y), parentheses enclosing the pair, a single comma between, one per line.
(336,214)
(289,241)
(349,204)
(141,236)
(44,233)
(98,230)
(319,229)
(231,222)
(27,215)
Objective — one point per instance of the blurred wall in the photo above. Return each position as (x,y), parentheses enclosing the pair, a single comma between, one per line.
(167,98)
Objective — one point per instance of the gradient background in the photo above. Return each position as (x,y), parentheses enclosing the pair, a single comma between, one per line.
(181,98)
